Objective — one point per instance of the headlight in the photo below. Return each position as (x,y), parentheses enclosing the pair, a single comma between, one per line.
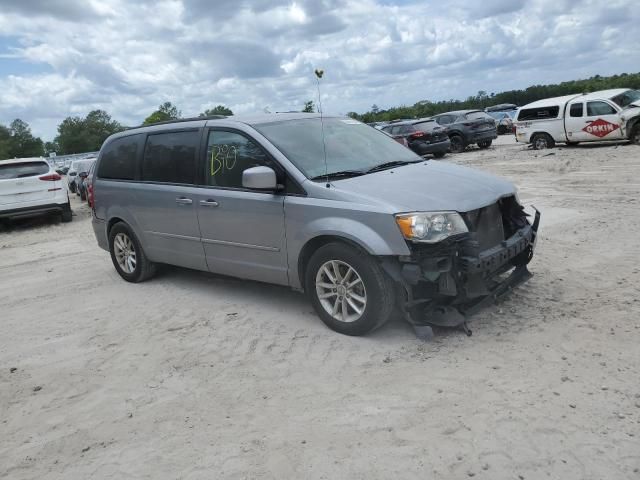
(430,227)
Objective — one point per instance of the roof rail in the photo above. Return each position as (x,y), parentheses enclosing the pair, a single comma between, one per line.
(181,120)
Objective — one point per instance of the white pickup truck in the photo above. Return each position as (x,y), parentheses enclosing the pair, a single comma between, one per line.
(593,117)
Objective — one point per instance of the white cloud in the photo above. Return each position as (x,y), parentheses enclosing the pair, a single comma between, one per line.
(127,57)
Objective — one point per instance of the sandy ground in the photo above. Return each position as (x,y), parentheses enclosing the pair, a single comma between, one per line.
(192,376)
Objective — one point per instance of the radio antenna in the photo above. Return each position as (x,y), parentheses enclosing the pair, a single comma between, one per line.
(319,73)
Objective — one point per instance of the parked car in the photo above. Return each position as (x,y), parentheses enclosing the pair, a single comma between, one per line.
(83,173)
(424,136)
(594,117)
(89,184)
(30,187)
(466,127)
(331,207)
(504,122)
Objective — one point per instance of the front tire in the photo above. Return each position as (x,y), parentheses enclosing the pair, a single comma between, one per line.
(485,144)
(635,134)
(348,289)
(127,255)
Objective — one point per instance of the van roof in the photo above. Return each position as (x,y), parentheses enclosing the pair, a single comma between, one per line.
(567,98)
(200,122)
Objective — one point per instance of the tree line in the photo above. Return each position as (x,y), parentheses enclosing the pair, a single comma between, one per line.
(426,108)
(80,134)
(86,134)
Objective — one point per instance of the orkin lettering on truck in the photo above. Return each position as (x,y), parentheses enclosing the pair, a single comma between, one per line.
(607,115)
(600,128)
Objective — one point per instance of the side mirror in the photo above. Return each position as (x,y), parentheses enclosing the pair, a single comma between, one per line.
(83,174)
(259,178)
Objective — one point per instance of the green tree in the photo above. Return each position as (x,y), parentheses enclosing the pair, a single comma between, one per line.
(165,112)
(217,110)
(309,107)
(51,147)
(5,143)
(79,135)
(23,143)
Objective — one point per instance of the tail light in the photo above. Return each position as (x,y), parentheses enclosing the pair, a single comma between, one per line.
(415,135)
(53,177)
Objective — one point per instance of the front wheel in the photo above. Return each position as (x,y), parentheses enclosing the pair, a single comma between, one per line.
(485,144)
(127,255)
(348,289)
(635,134)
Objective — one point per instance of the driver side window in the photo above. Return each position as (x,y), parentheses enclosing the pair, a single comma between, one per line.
(228,155)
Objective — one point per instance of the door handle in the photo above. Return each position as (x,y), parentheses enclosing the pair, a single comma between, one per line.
(184,201)
(209,203)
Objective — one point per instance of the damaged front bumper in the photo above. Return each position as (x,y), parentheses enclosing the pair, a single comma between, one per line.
(443,285)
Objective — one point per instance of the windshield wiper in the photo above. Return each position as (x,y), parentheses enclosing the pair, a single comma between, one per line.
(395,163)
(340,174)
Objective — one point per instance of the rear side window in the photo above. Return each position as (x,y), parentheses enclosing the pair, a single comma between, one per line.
(540,113)
(171,157)
(228,155)
(426,126)
(23,170)
(119,158)
(477,116)
(576,110)
(599,108)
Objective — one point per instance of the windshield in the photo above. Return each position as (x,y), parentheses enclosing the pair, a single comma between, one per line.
(350,145)
(627,98)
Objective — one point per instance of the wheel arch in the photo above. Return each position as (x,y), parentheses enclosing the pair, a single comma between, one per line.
(313,244)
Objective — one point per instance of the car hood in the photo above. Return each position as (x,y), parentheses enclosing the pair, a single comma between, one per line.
(426,186)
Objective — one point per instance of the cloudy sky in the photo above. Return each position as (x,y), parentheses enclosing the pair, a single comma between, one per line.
(67,57)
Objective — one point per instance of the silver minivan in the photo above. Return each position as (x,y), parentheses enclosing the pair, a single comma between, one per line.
(329,206)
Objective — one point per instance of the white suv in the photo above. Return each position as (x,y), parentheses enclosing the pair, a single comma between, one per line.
(30,187)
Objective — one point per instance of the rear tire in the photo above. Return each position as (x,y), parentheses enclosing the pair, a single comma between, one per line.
(349,290)
(439,155)
(127,255)
(72,187)
(83,195)
(485,144)
(67,215)
(457,144)
(542,141)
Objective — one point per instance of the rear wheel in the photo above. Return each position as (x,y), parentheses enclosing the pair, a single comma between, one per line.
(439,154)
(457,144)
(542,141)
(127,255)
(83,195)
(67,215)
(485,144)
(72,187)
(348,289)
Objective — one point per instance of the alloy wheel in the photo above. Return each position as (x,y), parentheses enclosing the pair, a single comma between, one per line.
(341,291)
(125,252)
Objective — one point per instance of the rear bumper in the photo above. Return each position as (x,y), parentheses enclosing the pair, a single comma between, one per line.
(35,211)
(447,286)
(100,231)
(423,148)
(484,136)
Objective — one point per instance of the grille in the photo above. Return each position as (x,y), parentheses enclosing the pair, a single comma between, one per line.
(486,226)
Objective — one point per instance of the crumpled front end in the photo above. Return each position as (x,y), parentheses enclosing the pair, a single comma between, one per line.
(444,283)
